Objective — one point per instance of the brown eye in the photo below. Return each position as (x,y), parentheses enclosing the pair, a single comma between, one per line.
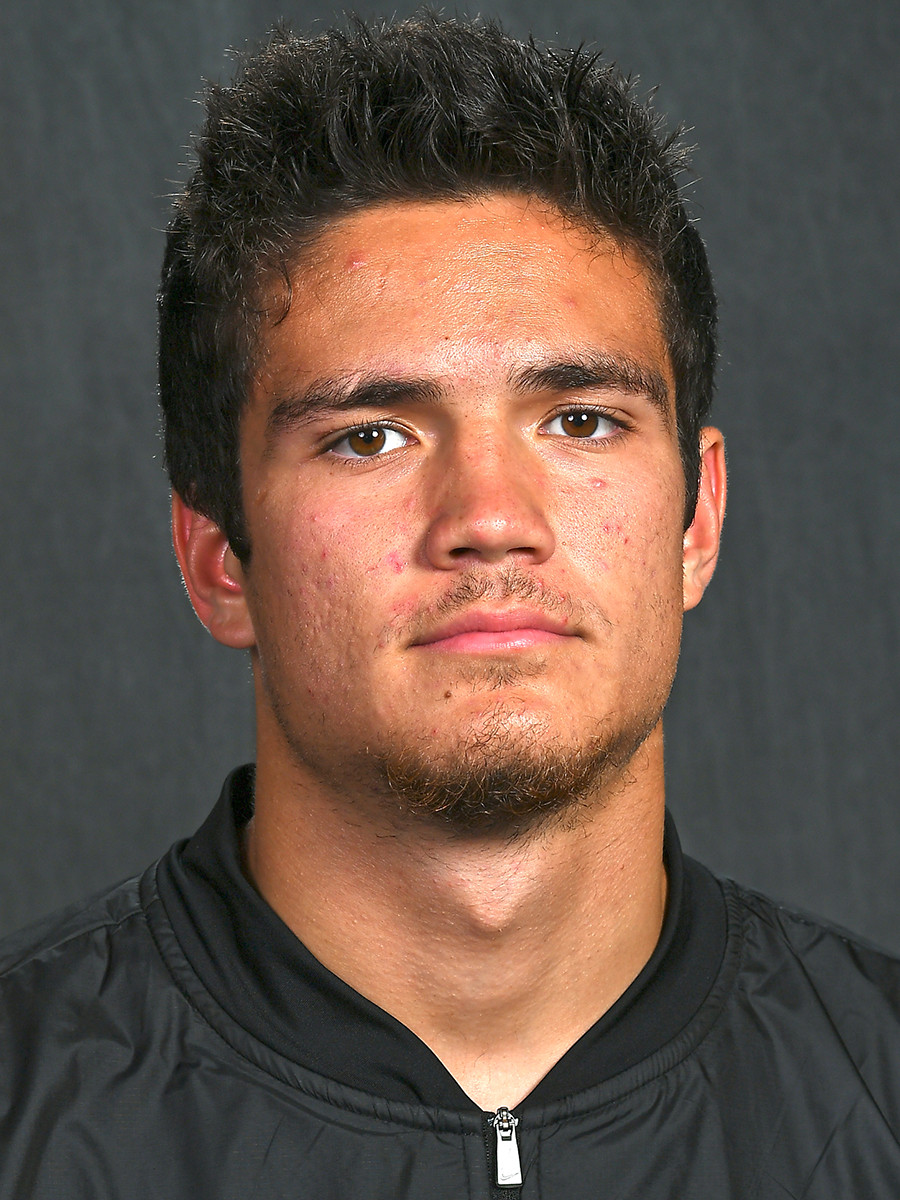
(366,441)
(580,424)
(369,441)
(586,424)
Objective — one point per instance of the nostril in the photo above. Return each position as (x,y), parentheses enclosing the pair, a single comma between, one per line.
(459,552)
(482,524)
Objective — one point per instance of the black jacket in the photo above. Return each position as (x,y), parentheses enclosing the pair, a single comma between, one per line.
(172,1040)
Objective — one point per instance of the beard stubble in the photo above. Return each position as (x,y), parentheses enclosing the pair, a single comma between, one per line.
(510,784)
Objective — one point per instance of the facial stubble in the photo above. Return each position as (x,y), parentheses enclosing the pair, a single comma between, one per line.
(508,782)
(505,777)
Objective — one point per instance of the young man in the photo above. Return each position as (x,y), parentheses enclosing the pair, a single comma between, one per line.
(437,346)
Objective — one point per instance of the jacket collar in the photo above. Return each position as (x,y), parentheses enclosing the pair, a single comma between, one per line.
(266,980)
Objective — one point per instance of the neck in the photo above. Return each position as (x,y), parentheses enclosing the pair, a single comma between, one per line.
(499,955)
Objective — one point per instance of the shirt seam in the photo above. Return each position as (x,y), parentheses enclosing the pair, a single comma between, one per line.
(34,954)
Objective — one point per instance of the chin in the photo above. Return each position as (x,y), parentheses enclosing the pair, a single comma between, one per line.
(507,781)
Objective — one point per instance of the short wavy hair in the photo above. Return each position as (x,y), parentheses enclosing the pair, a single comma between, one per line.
(426,108)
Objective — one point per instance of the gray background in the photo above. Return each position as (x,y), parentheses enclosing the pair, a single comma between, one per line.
(120,716)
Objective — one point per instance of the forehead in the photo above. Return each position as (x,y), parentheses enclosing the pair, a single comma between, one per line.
(459,286)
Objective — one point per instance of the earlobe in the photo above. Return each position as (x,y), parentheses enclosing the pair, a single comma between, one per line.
(212,575)
(702,537)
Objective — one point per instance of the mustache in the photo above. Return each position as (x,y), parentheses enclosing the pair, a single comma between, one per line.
(501,586)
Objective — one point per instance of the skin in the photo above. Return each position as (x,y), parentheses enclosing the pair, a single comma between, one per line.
(499,951)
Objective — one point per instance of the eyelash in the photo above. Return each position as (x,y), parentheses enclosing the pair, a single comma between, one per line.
(621,426)
(344,434)
(605,414)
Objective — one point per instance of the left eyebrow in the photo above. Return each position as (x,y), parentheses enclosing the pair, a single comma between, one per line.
(325,397)
(596,372)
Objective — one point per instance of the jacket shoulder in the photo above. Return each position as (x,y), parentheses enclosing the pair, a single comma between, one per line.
(64,931)
(840,966)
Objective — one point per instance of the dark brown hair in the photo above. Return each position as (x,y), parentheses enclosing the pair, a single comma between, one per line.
(422,108)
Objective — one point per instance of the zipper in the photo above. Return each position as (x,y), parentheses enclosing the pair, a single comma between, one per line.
(503,1153)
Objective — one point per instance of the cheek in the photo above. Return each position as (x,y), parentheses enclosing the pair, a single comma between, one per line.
(393,561)
(324,572)
(625,537)
(626,522)
(335,542)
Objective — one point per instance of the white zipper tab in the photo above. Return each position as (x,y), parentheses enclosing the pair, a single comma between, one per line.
(509,1168)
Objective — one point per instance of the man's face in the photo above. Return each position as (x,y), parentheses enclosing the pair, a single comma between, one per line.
(464,499)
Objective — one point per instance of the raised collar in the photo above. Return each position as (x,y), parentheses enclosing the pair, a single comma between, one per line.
(266,980)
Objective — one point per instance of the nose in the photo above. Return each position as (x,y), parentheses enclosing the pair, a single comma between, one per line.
(490,506)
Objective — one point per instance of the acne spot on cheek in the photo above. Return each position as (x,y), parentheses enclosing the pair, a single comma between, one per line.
(598,483)
(395,562)
(613,529)
(403,610)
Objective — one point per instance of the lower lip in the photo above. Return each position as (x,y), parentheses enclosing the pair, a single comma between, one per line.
(494,641)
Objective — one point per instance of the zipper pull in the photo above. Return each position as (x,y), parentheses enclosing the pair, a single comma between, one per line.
(509,1168)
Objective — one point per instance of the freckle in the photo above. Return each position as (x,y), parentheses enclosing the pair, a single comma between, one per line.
(447,695)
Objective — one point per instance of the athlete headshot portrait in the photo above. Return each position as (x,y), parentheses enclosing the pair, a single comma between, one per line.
(437,349)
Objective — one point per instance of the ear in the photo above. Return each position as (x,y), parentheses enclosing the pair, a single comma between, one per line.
(701,539)
(212,575)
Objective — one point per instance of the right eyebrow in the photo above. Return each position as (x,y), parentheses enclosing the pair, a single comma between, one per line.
(325,397)
(597,371)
